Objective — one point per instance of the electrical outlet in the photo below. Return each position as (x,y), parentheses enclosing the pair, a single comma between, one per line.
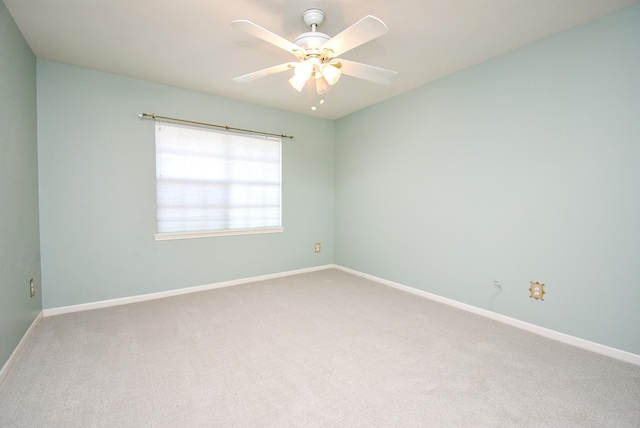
(536,290)
(317,247)
(32,288)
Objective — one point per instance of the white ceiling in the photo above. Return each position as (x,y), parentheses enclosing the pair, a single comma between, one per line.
(191,44)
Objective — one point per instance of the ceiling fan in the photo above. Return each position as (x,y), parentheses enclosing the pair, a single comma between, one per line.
(317,53)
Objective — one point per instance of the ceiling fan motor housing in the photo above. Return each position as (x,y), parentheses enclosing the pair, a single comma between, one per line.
(312,41)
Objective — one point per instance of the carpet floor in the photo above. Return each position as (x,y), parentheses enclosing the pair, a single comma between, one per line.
(320,349)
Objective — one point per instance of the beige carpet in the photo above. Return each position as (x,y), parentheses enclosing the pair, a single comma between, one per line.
(323,349)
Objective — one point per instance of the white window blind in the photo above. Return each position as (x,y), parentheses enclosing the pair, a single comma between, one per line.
(213,181)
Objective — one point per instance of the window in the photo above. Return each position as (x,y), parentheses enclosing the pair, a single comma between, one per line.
(216,183)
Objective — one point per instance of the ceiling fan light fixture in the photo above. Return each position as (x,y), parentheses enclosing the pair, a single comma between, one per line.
(297,82)
(322,86)
(302,73)
(330,73)
(304,69)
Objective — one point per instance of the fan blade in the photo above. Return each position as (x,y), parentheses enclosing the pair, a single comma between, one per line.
(367,72)
(264,34)
(368,28)
(265,72)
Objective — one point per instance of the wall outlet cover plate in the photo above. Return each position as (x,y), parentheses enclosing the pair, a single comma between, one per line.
(537,290)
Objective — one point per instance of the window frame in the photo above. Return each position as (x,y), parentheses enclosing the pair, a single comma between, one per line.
(187,234)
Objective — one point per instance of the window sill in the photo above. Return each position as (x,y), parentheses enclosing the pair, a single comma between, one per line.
(213,233)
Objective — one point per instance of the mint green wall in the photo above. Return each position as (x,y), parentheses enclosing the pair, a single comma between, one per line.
(19,242)
(97,190)
(523,168)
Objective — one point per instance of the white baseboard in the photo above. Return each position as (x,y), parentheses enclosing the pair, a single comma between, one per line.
(545,332)
(7,366)
(162,294)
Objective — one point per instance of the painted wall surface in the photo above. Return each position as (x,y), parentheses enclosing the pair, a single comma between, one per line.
(97,190)
(523,168)
(19,241)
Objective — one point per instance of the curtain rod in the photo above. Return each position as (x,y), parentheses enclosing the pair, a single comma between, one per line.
(228,128)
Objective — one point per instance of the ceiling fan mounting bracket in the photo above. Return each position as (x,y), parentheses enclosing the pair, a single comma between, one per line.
(313,18)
